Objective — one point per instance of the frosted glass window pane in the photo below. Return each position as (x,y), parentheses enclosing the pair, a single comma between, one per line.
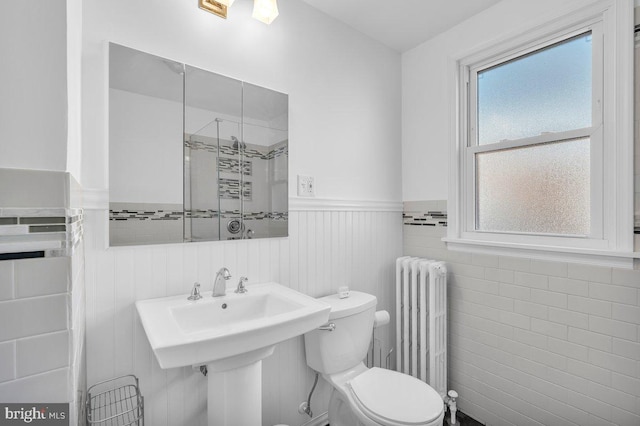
(535,189)
(548,90)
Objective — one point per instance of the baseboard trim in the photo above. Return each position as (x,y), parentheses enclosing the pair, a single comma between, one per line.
(326,204)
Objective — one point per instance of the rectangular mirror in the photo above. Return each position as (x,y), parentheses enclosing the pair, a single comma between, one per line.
(145,148)
(193,155)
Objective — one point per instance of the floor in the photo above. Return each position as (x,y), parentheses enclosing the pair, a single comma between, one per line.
(461,420)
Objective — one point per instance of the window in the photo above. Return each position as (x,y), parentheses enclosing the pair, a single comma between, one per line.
(534,122)
(536,168)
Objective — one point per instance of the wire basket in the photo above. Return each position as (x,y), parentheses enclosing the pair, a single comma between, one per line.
(115,402)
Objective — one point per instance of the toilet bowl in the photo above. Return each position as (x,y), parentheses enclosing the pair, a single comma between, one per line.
(363,396)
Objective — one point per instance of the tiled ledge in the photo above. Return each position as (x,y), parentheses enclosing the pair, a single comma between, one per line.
(39,212)
(56,232)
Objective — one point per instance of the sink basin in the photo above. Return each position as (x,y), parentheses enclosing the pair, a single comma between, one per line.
(227,331)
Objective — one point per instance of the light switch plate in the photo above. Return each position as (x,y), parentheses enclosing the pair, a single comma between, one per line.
(306,186)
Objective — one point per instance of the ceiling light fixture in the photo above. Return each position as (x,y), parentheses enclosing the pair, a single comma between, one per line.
(215,7)
(263,10)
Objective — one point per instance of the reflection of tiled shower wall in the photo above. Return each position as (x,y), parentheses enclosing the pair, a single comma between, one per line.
(279,178)
(264,177)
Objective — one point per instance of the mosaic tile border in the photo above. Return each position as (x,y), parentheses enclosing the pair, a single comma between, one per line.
(227,214)
(57,231)
(439,218)
(428,218)
(143,214)
(269,153)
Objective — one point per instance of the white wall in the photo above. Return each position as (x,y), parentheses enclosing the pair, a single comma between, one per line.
(74,87)
(427,96)
(344,129)
(33,93)
(344,89)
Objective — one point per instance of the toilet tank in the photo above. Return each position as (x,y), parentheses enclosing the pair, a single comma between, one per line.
(330,352)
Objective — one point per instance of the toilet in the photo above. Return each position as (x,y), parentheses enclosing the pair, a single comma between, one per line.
(363,396)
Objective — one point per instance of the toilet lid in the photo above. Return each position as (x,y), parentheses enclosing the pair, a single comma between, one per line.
(395,397)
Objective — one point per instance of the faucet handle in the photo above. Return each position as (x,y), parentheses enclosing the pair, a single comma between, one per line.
(195,292)
(241,287)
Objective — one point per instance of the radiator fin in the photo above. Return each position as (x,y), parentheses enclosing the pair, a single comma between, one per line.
(421,320)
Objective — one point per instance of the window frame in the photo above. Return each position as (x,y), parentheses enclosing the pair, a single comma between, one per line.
(594,133)
(611,238)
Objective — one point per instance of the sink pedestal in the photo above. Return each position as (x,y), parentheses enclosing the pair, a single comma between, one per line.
(235,396)
(235,389)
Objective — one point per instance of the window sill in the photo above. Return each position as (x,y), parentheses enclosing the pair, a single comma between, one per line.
(614,259)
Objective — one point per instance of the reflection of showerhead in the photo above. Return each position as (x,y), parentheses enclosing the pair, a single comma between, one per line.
(237,144)
(174,66)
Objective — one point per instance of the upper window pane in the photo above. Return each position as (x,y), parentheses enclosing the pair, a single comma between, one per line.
(548,90)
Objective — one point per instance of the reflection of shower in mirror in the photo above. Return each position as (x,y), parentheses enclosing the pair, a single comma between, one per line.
(174,66)
(224,145)
(237,143)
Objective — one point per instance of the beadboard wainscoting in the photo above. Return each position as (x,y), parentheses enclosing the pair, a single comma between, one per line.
(532,342)
(328,247)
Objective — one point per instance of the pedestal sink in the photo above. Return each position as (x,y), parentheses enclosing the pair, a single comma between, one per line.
(230,335)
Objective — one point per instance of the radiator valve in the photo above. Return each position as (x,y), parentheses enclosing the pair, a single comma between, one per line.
(450,399)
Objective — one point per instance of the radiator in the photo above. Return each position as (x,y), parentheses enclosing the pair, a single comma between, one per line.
(421,320)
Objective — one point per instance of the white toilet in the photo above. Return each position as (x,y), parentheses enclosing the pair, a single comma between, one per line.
(363,396)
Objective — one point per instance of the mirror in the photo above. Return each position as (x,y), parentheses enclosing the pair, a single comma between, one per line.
(193,155)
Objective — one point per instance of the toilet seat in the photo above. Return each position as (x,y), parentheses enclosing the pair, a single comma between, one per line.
(391,398)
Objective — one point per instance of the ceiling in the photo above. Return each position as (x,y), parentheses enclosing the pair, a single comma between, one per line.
(401,24)
(145,74)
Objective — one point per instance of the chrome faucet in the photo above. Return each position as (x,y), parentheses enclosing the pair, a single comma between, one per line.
(195,292)
(219,286)
(241,287)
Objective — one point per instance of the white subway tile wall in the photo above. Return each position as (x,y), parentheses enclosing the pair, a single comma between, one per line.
(46,387)
(8,364)
(30,351)
(34,337)
(42,298)
(6,280)
(538,343)
(47,276)
(325,250)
